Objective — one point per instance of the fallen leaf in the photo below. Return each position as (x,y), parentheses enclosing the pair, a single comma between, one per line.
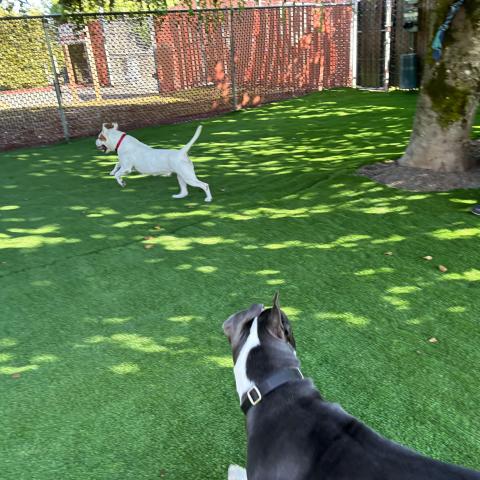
(15,375)
(428,257)
(388,253)
(149,245)
(148,237)
(442,268)
(157,227)
(433,340)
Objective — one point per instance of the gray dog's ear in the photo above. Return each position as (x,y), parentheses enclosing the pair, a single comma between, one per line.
(276,301)
(274,321)
(254,311)
(235,322)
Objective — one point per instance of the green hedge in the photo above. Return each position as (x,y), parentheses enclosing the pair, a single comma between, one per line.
(24,60)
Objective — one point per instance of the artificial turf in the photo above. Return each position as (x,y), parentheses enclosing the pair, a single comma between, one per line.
(112,360)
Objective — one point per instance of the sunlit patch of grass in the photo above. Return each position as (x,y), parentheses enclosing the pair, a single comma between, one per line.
(472,275)
(373,271)
(379,210)
(347,317)
(399,303)
(206,269)
(36,231)
(33,241)
(9,370)
(176,340)
(448,234)
(125,368)
(391,239)
(183,318)
(9,207)
(116,320)
(457,309)
(267,272)
(346,241)
(44,358)
(174,243)
(403,290)
(184,266)
(131,341)
(224,362)
(42,283)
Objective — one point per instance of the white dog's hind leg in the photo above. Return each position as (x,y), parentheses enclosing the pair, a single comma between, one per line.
(195,182)
(236,473)
(183,188)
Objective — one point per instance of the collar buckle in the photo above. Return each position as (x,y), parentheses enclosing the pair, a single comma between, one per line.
(255,390)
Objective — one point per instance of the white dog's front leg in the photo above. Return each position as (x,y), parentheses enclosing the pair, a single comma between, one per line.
(115,169)
(236,473)
(118,177)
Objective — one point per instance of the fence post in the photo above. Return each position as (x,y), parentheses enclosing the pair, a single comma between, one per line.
(58,92)
(233,73)
(354,43)
(388,43)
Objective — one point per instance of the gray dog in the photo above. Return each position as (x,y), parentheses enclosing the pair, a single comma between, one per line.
(293,434)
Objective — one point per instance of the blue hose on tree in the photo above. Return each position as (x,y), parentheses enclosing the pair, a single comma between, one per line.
(437,44)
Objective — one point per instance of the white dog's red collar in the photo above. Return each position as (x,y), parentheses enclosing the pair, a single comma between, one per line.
(120,142)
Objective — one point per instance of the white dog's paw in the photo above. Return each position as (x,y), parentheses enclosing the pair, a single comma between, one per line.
(208,199)
(180,195)
(112,173)
(236,473)
(122,183)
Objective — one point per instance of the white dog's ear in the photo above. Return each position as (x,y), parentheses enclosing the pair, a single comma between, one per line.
(115,125)
(104,126)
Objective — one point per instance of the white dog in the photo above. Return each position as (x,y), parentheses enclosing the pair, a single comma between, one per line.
(135,155)
(236,473)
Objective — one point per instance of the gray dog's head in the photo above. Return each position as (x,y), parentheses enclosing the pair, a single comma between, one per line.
(107,138)
(273,327)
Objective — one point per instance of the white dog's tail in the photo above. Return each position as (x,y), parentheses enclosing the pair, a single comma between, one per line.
(187,147)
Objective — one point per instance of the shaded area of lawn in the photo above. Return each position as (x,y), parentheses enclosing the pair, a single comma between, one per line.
(112,361)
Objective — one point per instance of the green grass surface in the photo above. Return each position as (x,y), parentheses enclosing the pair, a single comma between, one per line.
(112,360)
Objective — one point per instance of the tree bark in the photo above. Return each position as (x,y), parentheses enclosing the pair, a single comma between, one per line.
(449,93)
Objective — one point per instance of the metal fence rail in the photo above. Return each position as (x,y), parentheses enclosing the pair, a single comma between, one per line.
(61,80)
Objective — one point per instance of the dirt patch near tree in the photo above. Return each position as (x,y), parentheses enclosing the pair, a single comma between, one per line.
(420,180)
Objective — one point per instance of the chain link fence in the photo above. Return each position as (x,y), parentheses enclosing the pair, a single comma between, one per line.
(60,80)
(381,42)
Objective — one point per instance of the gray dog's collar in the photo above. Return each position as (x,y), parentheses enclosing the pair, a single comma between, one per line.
(255,394)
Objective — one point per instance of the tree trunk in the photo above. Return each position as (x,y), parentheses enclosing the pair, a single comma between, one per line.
(450,91)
